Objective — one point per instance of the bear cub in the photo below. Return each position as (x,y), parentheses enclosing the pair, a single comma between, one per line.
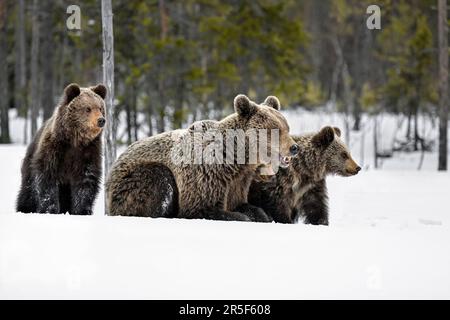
(300,190)
(62,166)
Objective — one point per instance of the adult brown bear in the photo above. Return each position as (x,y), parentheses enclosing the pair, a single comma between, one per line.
(146,181)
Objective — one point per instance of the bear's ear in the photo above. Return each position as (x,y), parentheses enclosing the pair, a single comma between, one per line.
(203,125)
(71,92)
(324,138)
(273,102)
(337,131)
(100,89)
(243,106)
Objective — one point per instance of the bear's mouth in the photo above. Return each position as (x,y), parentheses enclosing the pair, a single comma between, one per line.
(97,130)
(349,173)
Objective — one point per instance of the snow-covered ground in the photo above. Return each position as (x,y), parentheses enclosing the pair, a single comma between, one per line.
(389,238)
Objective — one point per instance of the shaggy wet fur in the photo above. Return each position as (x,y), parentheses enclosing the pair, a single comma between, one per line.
(300,190)
(62,166)
(147,180)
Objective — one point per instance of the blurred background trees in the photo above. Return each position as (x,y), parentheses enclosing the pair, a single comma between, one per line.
(179,61)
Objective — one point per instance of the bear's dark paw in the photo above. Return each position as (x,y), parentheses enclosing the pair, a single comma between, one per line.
(254,213)
(219,214)
(316,221)
(238,216)
(51,208)
(85,212)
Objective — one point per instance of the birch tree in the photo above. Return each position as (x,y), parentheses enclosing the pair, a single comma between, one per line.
(108,80)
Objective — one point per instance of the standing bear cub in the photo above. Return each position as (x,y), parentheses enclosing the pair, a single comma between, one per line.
(62,166)
(300,191)
(148,180)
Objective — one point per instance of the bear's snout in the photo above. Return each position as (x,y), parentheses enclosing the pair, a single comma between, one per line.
(101,122)
(353,169)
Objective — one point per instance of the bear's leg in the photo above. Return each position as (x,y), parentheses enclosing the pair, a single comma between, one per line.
(150,190)
(314,205)
(47,195)
(254,213)
(278,210)
(82,195)
(25,200)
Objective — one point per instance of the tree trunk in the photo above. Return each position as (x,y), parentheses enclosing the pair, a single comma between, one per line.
(375,141)
(348,100)
(178,115)
(443,83)
(416,129)
(164,25)
(20,80)
(4,101)
(108,80)
(128,116)
(160,120)
(35,79)
(164,19)
(342,66)
(408,127)
(135,114)
(149,120)
(47,59)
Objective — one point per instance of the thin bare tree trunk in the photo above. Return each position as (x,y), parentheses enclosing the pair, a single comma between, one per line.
(342,68)
(164,19)
(135,115)
(108,80)
(20,80)
(417,138)
(443,83)
(35,44)
(4,101)
(47,59)
(127,106)
(164,24)
(375,141)
(408,128)
(362,149)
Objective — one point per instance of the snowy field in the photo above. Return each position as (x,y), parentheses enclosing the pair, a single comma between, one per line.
(389,238)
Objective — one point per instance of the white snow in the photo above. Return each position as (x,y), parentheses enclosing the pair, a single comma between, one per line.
(389,238)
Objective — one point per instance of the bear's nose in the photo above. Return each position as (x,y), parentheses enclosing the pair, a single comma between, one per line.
(358,169)
(101,122)
(294,149)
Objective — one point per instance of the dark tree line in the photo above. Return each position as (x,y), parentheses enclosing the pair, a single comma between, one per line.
(178,61)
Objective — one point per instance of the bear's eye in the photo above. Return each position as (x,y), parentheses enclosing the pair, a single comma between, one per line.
(344,155)
(88,109)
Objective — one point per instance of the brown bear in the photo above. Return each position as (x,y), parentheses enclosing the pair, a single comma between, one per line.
(62,166)
(149,180)
(300,191)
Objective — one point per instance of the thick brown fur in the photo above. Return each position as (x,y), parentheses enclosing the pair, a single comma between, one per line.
(146,181)
(62,166)
(300,191)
